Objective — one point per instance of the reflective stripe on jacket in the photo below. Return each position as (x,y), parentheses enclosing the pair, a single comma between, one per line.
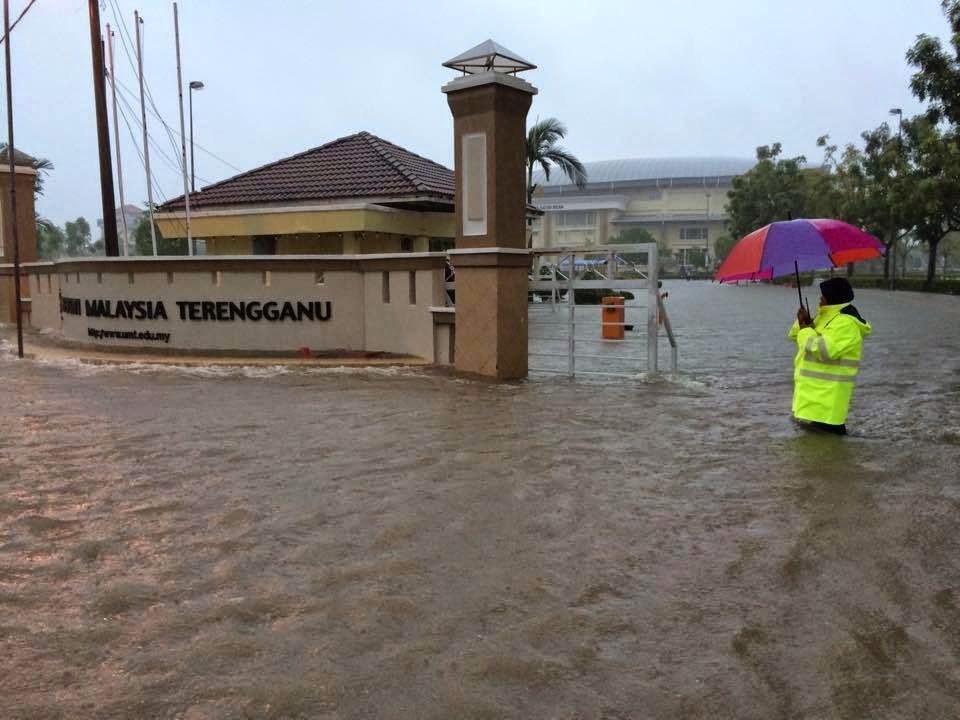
(825,367)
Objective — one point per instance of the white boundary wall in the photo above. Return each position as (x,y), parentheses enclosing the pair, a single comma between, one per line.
(223,304)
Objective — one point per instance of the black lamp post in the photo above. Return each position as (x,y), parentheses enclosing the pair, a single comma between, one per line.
(899,113)
(194,85)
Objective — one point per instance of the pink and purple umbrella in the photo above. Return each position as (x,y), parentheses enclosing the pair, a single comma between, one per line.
(791,246)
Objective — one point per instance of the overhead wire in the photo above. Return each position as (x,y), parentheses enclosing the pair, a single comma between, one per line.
(124,38)
(19,18)
(149,95)
(153,176)
(178,164)
(171,163)
(127,43)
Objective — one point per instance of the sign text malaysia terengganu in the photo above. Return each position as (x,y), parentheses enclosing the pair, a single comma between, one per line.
(219,311)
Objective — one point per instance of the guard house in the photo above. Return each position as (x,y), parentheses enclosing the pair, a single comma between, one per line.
(356,195)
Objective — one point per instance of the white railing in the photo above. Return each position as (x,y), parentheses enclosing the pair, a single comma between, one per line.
(607,269)
(566,268)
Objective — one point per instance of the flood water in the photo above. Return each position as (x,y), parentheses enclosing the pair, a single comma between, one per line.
(394,543)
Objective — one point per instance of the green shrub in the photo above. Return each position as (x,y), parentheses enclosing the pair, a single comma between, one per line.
(914,284)
(594,296)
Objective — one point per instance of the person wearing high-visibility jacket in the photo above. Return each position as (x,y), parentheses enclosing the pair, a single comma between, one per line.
(829,348)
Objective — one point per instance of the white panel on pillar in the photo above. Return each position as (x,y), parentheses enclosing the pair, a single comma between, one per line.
(473,167)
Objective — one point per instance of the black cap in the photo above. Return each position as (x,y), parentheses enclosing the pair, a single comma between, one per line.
(836,291)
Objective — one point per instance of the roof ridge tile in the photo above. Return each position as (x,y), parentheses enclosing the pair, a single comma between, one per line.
(377,144)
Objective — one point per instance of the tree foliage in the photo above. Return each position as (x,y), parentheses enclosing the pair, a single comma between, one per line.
(50,240)
(903,188)
(930,203)
(78,241)
(937,76)
(165,246)
(633,236)
(776,188)
(41,165)
(544,149)
(723,245)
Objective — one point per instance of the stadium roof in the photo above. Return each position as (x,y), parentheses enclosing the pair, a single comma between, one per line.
(648,171)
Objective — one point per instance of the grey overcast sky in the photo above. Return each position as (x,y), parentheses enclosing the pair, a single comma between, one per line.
(630,79)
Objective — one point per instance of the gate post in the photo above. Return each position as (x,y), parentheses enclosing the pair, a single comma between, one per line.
(491,260)
(653,307)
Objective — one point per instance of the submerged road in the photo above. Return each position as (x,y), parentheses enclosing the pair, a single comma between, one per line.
(215,542)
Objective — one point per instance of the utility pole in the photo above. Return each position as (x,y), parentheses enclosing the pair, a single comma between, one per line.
(13,181)
(116,137)
(111,246)
(137,21)
(183,140)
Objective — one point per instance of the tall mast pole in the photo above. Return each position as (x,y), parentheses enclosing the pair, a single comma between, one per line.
(116,137)
(111,246)
(183,141)
(13,181)
(137,21)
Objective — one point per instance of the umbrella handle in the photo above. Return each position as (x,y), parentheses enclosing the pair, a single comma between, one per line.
(796,270)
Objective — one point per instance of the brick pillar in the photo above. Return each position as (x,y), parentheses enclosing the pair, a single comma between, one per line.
(491,260)
(27,232)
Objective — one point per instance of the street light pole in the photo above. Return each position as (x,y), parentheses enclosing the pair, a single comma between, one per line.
(183,145)
(891,265)
(194,85)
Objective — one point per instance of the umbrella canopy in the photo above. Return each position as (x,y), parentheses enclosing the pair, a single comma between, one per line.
(780,248)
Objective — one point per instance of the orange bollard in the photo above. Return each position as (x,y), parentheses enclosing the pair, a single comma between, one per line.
(613,312)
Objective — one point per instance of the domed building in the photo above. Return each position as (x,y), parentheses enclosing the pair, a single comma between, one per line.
(679,201)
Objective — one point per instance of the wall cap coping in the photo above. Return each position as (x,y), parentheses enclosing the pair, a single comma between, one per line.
(489,78)
(490,250)
(439,309)
(219,258)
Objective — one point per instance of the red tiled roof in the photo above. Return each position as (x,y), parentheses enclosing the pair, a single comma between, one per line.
(355,166)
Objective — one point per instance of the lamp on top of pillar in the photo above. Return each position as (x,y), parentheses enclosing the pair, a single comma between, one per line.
(489,56)
(489,105)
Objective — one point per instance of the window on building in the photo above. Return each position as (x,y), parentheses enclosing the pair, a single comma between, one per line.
(441,244)
(691,234)
(264,245)
(576,218)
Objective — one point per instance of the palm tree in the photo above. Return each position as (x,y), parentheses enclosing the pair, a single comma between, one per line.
(543,148)
(41,165)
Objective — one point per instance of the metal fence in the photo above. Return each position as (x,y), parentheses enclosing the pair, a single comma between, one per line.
(566,337)
(566,333)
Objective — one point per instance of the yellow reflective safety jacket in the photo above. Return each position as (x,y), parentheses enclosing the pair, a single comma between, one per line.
(826,365)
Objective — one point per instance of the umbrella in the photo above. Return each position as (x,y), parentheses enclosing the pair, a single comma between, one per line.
(789,246)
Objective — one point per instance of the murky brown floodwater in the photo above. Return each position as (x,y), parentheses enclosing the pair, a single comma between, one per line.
(399,544)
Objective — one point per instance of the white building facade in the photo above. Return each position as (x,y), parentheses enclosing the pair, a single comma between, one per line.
(681,202)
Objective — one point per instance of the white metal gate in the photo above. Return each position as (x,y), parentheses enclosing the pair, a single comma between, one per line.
(567,338)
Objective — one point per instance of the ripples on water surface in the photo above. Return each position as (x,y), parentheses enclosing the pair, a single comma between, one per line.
(211,543)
